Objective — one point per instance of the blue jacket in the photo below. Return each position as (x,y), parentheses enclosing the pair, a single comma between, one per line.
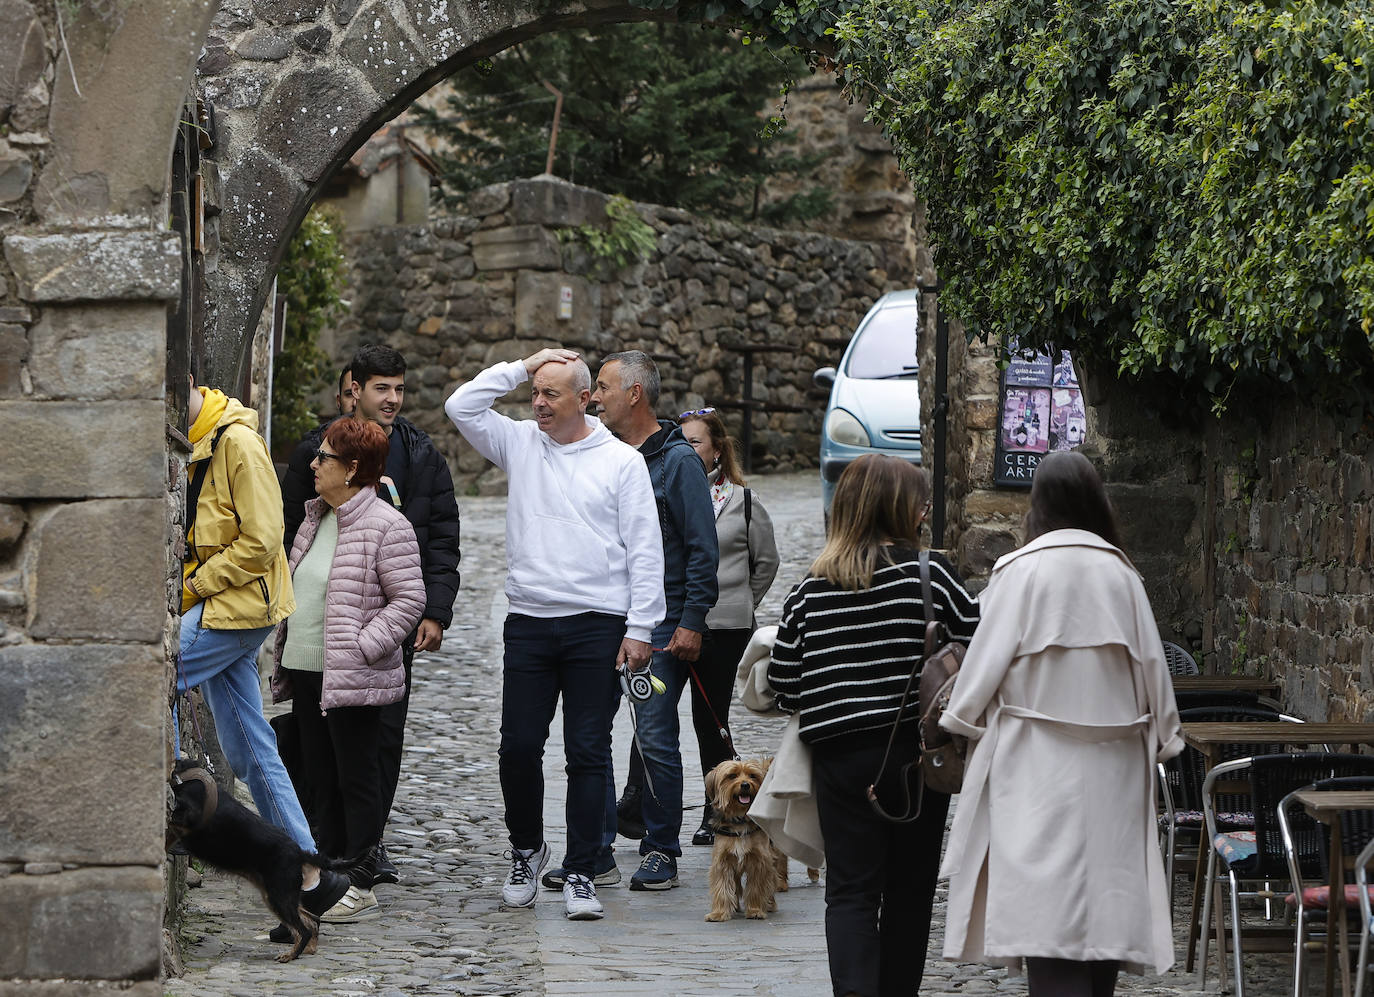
(688,521)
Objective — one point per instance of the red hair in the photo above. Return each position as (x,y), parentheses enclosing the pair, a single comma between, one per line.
(363,441)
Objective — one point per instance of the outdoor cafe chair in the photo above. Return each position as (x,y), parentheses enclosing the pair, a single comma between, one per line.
(1302,838)
(1362,888)
(1180,662)
(1180,781)
(1259,855)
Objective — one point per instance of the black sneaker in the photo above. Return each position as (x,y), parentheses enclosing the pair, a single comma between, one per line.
(383,871)
(332,887)
(629,814)
(608,876)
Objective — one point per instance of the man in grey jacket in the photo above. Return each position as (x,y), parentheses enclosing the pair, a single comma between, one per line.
(627,388)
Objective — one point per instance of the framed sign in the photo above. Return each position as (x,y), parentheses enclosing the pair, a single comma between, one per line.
(1042,411)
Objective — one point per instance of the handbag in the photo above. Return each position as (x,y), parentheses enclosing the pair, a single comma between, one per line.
(940,764)
(942,753)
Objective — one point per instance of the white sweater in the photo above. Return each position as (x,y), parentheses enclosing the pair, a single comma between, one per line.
(582,531)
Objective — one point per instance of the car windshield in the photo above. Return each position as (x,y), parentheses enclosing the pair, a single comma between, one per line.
(886,348)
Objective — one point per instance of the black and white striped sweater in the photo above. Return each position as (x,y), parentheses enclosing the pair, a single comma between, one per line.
(842,658)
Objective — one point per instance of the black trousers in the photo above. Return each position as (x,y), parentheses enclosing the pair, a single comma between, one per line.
(720,654)
(339,764)
(393,734)
(572,657)
(879,876)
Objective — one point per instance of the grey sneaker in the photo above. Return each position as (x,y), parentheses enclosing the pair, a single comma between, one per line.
(356,905)
(579,896)
(609,876)
(523,882)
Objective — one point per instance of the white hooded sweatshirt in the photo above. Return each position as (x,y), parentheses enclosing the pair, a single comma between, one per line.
(582,531)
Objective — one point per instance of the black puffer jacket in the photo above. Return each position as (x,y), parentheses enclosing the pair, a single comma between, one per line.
(428,503)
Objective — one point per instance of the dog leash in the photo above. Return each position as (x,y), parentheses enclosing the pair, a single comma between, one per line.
(626,681)
(721,729)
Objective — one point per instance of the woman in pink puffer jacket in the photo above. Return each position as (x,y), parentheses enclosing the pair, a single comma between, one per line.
(355,566)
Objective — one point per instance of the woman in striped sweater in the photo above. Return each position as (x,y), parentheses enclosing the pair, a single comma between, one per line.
(850,634)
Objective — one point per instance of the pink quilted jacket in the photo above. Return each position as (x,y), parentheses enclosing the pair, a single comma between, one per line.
(374,599)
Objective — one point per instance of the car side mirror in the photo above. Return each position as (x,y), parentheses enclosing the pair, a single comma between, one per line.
(824,378)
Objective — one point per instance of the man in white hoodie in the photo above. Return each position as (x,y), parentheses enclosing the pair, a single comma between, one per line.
(585,585)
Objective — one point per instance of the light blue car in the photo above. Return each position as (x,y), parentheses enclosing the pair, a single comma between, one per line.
(874,406)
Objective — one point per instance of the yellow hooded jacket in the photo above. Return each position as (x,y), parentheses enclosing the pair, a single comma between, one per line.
(235,561)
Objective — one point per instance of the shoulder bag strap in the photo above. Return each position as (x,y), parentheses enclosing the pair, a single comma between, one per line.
(198,480)
(908,813)
(748,519)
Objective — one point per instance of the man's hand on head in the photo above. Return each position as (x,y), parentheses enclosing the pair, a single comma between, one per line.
(685,645)
(428,635)
(551,355)
(633,654)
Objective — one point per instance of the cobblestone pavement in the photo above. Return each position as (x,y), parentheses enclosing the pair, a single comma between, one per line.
(443,931)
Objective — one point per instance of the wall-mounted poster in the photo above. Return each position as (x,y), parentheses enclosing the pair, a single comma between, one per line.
(1042,411)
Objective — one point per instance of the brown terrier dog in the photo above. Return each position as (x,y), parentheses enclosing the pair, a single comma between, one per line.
(743,861)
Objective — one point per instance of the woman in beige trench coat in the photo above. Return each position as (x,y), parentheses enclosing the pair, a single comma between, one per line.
(1065,695)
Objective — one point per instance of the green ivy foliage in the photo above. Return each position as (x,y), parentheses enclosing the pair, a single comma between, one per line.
(311,278)
(626,238)
(1180,188)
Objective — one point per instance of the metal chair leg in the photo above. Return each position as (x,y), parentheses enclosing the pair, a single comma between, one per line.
(1235,934)
(1362,967)
(1300,925)
(1204,923)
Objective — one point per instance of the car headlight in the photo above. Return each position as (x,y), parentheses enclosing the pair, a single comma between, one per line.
(843,428)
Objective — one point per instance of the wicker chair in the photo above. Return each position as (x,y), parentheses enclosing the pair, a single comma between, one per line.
(1304,838)
(1260,855)
(1180,662)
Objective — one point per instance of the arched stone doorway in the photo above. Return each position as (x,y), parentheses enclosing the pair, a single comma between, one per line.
(297,86)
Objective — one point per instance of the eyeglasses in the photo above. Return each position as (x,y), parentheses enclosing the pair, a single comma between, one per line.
(695,411)
(324,455)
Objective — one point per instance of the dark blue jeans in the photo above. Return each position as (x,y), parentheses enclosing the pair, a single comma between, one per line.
(658,743)
(574,656)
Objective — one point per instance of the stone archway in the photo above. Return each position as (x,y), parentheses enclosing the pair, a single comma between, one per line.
(297,86)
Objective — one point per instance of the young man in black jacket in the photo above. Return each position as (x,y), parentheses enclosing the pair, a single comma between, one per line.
(418,482)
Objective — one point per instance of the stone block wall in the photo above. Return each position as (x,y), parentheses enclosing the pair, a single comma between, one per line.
(1291,542)
(464,292)
(87,486)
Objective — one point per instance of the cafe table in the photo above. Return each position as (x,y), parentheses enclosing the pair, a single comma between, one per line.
(1209,739)
(1267,688)
(1326,807)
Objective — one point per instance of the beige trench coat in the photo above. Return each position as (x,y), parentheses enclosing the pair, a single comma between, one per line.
(1067,699)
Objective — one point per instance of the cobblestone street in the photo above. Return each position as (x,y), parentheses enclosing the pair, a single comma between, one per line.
(442,930)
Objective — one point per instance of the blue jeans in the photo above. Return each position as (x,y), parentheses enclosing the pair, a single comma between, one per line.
(658,728)
(574,656)
(224,664)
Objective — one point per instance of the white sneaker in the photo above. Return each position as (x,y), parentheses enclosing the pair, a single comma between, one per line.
(522,884)
(580,897)
(355,905)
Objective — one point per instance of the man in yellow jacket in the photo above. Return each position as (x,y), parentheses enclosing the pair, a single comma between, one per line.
(235,587)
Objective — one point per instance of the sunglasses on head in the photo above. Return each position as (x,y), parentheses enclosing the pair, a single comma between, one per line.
(695,411)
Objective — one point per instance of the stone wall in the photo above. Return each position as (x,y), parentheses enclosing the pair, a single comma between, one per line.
(463,293)
(87,478)
(1154,476)
(1293,557)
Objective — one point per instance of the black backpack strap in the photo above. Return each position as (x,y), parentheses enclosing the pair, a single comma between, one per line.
(927,599)
(198,480)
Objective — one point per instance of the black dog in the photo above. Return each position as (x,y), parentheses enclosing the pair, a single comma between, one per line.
(218,829)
